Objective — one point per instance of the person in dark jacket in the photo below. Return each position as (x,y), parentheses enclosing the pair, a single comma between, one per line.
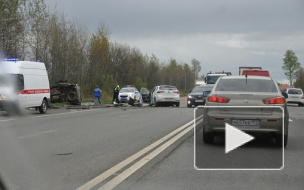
(115,94)
(97,93)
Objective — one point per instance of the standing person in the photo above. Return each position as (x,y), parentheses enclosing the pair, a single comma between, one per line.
(115,95)
(97,93)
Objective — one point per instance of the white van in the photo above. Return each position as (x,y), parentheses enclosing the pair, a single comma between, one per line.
(24,84)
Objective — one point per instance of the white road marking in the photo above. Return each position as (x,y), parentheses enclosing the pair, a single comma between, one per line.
(132,158)
(290,120)
(8,120)
(124,115)
(128,172)
(35,134)
(50,115)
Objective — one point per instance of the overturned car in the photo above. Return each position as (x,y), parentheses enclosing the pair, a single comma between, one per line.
(62,91)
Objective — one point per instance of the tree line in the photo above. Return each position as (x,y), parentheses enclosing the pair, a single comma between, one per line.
(29,30)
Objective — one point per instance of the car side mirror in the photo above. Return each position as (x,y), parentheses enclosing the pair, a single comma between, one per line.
(285,94)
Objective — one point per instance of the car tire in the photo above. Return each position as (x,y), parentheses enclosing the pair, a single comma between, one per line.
(43,107)
(177,104)
(299,104)
(278,140)
(189,105)
(208,138)
(156,103)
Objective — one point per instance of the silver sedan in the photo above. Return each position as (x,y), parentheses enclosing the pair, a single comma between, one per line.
(253,104)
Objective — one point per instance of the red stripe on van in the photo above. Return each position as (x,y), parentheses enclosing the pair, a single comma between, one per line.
(35,91)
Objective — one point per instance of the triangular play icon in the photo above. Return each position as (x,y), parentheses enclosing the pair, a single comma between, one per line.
(235,138)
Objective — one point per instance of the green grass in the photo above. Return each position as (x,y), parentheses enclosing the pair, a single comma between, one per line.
(57,104)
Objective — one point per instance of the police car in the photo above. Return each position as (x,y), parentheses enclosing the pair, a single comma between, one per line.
(129,94)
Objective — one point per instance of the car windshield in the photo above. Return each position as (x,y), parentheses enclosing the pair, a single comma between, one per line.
(144,91)
(212,79)
(167,88)
(295,91)
(246,85)
(126,90)
(198,89)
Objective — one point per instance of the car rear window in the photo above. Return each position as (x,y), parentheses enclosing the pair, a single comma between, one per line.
(246,85)
(167,88)
(294,91)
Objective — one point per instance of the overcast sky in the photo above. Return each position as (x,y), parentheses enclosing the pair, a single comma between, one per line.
(221,34)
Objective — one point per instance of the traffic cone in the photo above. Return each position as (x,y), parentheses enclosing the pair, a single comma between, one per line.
(185,99)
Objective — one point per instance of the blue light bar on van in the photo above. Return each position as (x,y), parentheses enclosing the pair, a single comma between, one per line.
(11,59)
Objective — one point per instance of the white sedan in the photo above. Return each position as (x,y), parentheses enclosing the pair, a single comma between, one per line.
(165,94)
(129,95)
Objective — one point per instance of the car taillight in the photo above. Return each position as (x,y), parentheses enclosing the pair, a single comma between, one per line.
(176,91)
(302,96)
(219,99)
(276,100)
(160,91)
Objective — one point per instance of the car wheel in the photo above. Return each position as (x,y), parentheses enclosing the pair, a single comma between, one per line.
(177,104)
(43,107)
(156,103)
(299,104)
(278,140)
(208,137)
(189,105)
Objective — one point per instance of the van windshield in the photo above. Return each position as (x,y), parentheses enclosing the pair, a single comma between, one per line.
(15,80)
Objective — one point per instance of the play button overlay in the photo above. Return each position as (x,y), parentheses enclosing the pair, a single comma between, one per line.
(235,138)
(226,138)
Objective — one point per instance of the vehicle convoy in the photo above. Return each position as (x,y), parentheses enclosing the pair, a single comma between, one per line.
(62,91)
(294,96)
(198,95)
(165,94)
(129,94)
(211,78)
(245,91)
(23,84)
(257,71)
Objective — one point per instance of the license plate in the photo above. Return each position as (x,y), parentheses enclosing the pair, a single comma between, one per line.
(168,99)
(199,100)
(246,122)
(123,98)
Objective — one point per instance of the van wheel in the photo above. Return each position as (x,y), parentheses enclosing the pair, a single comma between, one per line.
(43,107)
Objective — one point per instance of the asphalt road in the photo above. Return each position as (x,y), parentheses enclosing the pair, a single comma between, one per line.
(176,170)
(66,149)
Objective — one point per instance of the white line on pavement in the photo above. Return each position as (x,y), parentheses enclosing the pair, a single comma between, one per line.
(129,160)
(132,169)
(51,115)
(35,134)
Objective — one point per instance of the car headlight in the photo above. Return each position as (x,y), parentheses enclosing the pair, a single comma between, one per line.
(3,96)
(189,96)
